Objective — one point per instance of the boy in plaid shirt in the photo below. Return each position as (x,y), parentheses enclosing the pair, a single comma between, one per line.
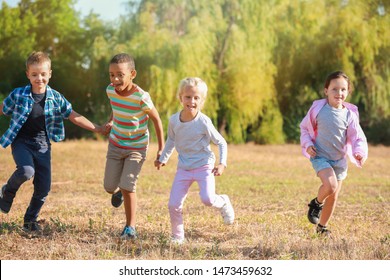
(37,112)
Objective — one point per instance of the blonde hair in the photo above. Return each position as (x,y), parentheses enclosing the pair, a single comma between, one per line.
(196,82)
(38,58)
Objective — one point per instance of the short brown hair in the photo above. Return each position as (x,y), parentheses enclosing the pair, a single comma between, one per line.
(38,57)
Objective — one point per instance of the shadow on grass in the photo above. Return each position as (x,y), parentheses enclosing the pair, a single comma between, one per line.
(48,229)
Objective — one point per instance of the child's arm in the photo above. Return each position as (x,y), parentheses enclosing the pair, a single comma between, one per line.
(358,140)
(169,146)
(218,140)
(153,114)
(306,141)
(106,128)
(83,122)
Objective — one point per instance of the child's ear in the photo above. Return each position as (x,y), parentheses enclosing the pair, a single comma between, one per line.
(133,74)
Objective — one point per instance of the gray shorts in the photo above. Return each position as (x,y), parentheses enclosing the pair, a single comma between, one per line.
(340,166)
(122,168)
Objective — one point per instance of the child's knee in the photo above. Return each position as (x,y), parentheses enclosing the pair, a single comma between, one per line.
(109,189)
(174,207)
(25,172)
(330,184)
(333,187)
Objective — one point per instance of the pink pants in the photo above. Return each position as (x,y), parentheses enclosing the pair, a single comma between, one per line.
(181,184)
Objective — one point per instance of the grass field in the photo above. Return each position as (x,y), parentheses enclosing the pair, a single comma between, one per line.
(269,187)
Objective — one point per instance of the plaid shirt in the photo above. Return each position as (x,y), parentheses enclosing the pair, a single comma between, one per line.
(19,105)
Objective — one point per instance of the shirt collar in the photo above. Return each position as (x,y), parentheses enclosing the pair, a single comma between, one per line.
(49,91)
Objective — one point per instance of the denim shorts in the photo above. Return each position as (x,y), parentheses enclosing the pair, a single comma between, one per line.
(340,166)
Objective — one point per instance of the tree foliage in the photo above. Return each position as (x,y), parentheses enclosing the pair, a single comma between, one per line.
(263,61)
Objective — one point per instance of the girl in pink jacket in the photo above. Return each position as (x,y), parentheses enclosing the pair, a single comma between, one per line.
(329,133)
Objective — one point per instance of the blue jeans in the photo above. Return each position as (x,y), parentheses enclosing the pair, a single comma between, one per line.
(32,159)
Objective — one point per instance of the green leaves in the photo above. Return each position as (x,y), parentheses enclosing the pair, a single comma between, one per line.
(264,61)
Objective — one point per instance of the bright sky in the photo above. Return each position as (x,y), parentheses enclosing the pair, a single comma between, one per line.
(106,9)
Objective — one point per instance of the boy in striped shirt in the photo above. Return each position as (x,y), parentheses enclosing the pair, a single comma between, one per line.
(129,137)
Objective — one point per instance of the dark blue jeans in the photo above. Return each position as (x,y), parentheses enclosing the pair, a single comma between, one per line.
(33,159)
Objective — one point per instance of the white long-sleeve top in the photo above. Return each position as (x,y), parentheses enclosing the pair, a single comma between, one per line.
(192,141)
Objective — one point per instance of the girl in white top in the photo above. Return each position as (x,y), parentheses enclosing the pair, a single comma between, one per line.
(190,132)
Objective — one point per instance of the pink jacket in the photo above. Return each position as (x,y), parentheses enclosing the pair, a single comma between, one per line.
(356,140)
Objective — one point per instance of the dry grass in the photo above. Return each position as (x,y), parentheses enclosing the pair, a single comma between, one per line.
(269,187)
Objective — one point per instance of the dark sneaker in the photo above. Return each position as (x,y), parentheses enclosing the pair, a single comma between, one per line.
(4,205)
(314,212)
(323,231)
(117,199)
(128,233)
(31,227)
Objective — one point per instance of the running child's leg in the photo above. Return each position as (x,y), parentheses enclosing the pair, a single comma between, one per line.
(180,187)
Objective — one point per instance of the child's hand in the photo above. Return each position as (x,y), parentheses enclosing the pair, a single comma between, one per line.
(158,164)
(360,159)
(106,128)
(218,170)
(98,129)
(311,150)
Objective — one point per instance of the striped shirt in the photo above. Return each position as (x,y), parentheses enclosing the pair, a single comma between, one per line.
(19,103)
(130,119)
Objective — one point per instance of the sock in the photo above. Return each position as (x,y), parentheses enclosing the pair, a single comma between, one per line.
(316,201)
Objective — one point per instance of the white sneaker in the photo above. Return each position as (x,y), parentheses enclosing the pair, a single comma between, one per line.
(177,241)
(227,211)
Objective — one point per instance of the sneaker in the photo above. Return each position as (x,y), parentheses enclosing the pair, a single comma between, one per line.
(31,227)
(117,199)
(227,211)
(177,240)
(4,206)
(323,231)
(314,212)
(128,233)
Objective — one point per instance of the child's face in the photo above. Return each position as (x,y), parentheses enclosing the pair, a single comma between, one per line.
(39,75)
(191,99)
(337,92)
(121,76)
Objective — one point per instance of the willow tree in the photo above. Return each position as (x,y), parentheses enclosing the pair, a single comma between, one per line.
(318,37)
(244,60)
(225,43)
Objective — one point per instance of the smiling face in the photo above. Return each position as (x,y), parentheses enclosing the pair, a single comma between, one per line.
(39,75)
(192,100)
(121,77)
(337,92)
